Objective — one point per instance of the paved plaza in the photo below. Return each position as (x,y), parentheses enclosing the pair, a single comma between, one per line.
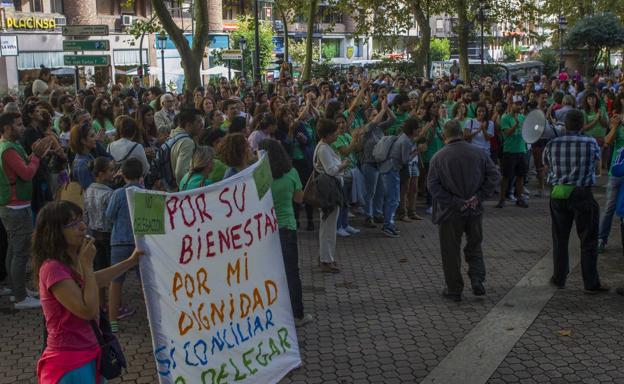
(383,320)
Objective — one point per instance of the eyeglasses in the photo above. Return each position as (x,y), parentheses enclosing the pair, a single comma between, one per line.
(73,224)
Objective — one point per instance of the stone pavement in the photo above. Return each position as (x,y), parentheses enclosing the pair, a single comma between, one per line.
(382,320)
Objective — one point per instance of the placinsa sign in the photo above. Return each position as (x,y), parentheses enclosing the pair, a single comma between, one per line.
(29,23)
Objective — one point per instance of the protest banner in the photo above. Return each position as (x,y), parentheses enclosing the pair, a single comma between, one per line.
(214,282)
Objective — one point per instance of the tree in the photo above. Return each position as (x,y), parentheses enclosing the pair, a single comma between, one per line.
(298,52)
(246,29)
(191,55)
(510,53)
(549,57)
(310,14)
(597,34)
(440,50)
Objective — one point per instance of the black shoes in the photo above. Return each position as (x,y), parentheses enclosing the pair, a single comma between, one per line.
(522,204)
(451,296)
(597,290)
(554,284)
(478,289)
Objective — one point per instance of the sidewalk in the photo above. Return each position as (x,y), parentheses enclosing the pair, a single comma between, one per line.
(383,320)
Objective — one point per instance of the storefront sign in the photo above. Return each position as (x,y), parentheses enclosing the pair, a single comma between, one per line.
(214,282)
(8,46)
(29,23)
(89,60)
(85,30)
(232,54)
(86,45)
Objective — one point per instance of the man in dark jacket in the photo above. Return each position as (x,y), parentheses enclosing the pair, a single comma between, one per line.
(460,177)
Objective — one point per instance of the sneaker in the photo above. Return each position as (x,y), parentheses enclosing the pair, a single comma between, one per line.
(414,216)
(378,219)
(342,232)
(555,284)
(307,318)
(329,268)
(601,247)
(522,204)
(6,291)
(429,211)
(350,215)
(478,289)
(351,230)
(526,191)
(404,219)
(500,204)
(512,198)
(32,293)
(125,312)
(390,233)
(369,223)
(28,303)
(114,326)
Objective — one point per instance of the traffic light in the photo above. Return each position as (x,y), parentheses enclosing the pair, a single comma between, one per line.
(146,69)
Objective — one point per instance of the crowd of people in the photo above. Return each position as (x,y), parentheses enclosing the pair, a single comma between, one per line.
(368,143)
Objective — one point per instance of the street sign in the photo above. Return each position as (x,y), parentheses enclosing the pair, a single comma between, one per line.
(86,45)
(232,54)
(89,60)
(8,45)
(85,30)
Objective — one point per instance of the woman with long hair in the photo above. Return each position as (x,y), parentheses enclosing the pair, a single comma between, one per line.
(63,263)
(480,130)
(596,123)
(286,190)
(432,134)
(82,141)
(102,115)
(266,127)
(200,169)
(235,152)
(147,133)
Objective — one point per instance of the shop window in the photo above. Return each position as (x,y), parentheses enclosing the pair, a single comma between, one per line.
(331,48)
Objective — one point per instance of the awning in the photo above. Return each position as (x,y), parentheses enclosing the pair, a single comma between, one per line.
(34,60)
(129,57)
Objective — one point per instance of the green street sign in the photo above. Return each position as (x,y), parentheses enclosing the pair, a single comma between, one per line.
(85,30)
(86,45)
(90,60)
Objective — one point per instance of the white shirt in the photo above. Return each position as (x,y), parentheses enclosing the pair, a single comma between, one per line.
(121,148)
(473,125)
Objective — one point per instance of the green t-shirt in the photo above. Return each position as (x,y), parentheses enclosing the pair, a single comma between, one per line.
(435,142)
(218,170)
(449,107)
(471,110)
(597,130)
(397,126)
(193,181)
(283,190)
(358,118)
(108,126)
(343,141)
(514,143)
(617,144)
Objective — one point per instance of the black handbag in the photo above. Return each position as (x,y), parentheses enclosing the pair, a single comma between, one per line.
(112,359)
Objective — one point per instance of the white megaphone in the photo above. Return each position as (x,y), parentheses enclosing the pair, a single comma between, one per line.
(534,126)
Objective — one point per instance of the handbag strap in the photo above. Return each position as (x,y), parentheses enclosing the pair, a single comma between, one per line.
(129,153)
(98,333)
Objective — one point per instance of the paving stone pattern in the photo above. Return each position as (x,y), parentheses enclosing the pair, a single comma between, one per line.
(382,320)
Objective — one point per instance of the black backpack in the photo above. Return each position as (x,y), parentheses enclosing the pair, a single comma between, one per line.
(161,168)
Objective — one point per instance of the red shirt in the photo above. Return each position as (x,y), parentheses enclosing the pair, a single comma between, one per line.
(14,166)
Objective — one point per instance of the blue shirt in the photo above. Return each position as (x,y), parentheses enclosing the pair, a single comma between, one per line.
(81,172)
(118,213)
(617,170)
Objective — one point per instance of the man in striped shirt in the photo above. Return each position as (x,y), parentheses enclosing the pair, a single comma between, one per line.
(571,161)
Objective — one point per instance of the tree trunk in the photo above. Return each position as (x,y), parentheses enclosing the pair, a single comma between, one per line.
(285,22)
(422,54)
(307,68)
(462,39)
(191,57)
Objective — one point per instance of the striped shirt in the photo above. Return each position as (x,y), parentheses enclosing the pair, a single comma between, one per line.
(572,159)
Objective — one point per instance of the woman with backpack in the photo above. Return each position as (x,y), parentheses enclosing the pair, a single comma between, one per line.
(125,148)
(63,263)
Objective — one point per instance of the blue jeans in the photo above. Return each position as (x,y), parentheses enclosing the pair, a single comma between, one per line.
(374,191)
(392,186)
(613,187)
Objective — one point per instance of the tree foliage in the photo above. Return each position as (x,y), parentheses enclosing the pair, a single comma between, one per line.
(246,29)
(596,34)
(440,49)
(510,53)
(550,58)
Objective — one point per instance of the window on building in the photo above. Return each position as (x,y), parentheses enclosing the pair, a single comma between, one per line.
(439,25)
(57,6)
(28,5)
(232,9)
(330,17)
(105,7)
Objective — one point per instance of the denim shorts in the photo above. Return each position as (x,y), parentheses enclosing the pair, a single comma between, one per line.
(120,253)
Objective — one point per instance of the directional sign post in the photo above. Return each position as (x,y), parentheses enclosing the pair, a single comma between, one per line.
(86,45)
(87,60)
(85,30)
(232,54)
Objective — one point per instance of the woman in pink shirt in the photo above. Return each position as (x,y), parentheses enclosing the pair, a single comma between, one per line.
(63,258)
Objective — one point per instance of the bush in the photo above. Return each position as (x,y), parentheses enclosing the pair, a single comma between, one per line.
(510,54)
(550,58)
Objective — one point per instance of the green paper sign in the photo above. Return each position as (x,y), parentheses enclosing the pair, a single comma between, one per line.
(263,177)
(149,214)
